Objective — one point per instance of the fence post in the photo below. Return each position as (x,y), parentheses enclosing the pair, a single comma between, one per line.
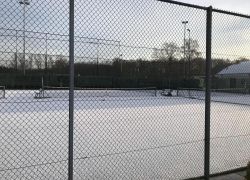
(71,89)
(208,93)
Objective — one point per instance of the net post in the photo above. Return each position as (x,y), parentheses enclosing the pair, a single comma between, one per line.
(42,90)
(42,83)
(3,91)
(71,90)
(208,93)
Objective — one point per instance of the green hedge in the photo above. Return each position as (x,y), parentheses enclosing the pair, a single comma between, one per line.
(17,81)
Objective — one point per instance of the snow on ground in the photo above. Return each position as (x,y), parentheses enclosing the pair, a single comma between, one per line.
(119,137)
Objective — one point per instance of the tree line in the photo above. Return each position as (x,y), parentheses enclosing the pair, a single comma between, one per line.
(168,62)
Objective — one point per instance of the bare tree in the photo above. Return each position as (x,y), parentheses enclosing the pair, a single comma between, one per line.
(61,62)
(29,64)
(50,61)
(38,61)
(168,51)
(14,62)
(192,48)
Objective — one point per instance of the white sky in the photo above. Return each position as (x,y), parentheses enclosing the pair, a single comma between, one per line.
(241,6)
(137,23)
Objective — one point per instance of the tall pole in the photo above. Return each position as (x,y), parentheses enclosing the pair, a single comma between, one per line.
(208,94)
(24,3)
(184,46)
(16,50)
(46,53)
(97,58)
(120,55)
(71,90)
(45,75)
(189,53)
(24,39)
(121,62)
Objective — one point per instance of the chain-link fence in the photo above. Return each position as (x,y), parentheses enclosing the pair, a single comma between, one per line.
(230,109)
(143,76)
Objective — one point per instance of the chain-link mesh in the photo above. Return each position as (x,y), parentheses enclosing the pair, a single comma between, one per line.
(230,108)
(121,134)
(139,90)
(34,131)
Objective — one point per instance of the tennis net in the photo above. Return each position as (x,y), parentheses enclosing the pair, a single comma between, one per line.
(230,95)
(2,92)
(63,92)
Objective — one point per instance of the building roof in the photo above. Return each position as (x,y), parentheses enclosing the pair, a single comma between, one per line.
(241,68)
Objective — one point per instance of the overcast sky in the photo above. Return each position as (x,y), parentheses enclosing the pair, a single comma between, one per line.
(241,6)
(138,26)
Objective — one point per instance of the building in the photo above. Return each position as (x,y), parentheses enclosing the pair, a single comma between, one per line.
(235,76)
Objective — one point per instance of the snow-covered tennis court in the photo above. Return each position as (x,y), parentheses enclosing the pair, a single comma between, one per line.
(143,137)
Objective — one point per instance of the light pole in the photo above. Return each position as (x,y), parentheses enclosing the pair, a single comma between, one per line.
(184,46)
(97,58)
(16,50)
(121,62)
(120,54)
(24,3)
(189,52)
(46,53)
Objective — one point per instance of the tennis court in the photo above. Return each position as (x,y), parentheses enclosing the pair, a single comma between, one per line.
(145,137)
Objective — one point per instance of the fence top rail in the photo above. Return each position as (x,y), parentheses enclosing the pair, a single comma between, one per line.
(205,8)
(231,13)
(101,89)
(225,90)
(184,4)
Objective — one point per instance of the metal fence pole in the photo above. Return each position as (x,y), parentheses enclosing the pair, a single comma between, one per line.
(208,93)
(71,90)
